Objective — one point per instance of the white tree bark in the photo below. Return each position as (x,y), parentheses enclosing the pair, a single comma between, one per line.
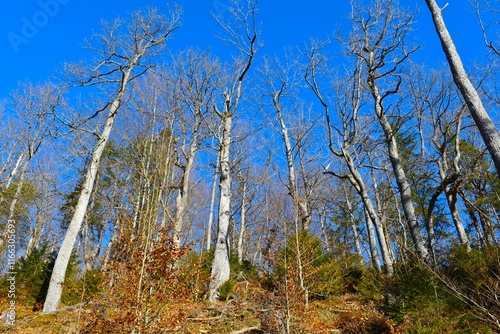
(357,180)
(481,118)
(243,214)
(371,217)
(155,31)
(301,204)
(212,203)
(375,257)
(245,42)
(220,265)
(182,198)
(59,271)
(401,179)
(14,171)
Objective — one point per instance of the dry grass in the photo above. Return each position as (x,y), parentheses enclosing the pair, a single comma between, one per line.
(246,312)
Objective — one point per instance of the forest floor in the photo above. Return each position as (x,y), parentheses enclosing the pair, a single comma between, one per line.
(251,308)
(246,311)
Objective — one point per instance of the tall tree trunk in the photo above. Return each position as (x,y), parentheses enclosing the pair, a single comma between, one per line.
(451,200)
(243,215)
(58,273)
(357,181)
(247,46)
(399,173)
(182,198)
(481,118)
(212,203)
(168,171)
(380,225)
(220,266)
(145,42)
(372,241)
(324,231)
(301,203)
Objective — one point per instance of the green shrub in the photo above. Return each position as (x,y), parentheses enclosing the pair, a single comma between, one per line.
(225,290)
(33,273)
(472,277)
(194,268)
(368,283)
(424,302)
(417,291)
(245,269)
(82,288)
(323,273)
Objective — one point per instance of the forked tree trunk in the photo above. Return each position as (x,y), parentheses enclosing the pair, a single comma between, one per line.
(183,195)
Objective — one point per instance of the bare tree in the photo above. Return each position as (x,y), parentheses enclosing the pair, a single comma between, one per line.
(35,105)
(241,33)
(433,99)
(197,76)
(488,8)
(280,84)
(121,61)
(212,204)
(347,102)
(475,105)
(378,42)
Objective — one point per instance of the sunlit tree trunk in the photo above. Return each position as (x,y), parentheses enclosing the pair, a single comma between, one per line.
(389,27)
(220,264)
(372,242)
(481,118)
(212,203)
(245,42)
(401,179)
(301,203)
(155,31)
(243,214)
(182,198)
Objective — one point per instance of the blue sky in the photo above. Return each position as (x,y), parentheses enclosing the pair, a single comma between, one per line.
(60,26)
